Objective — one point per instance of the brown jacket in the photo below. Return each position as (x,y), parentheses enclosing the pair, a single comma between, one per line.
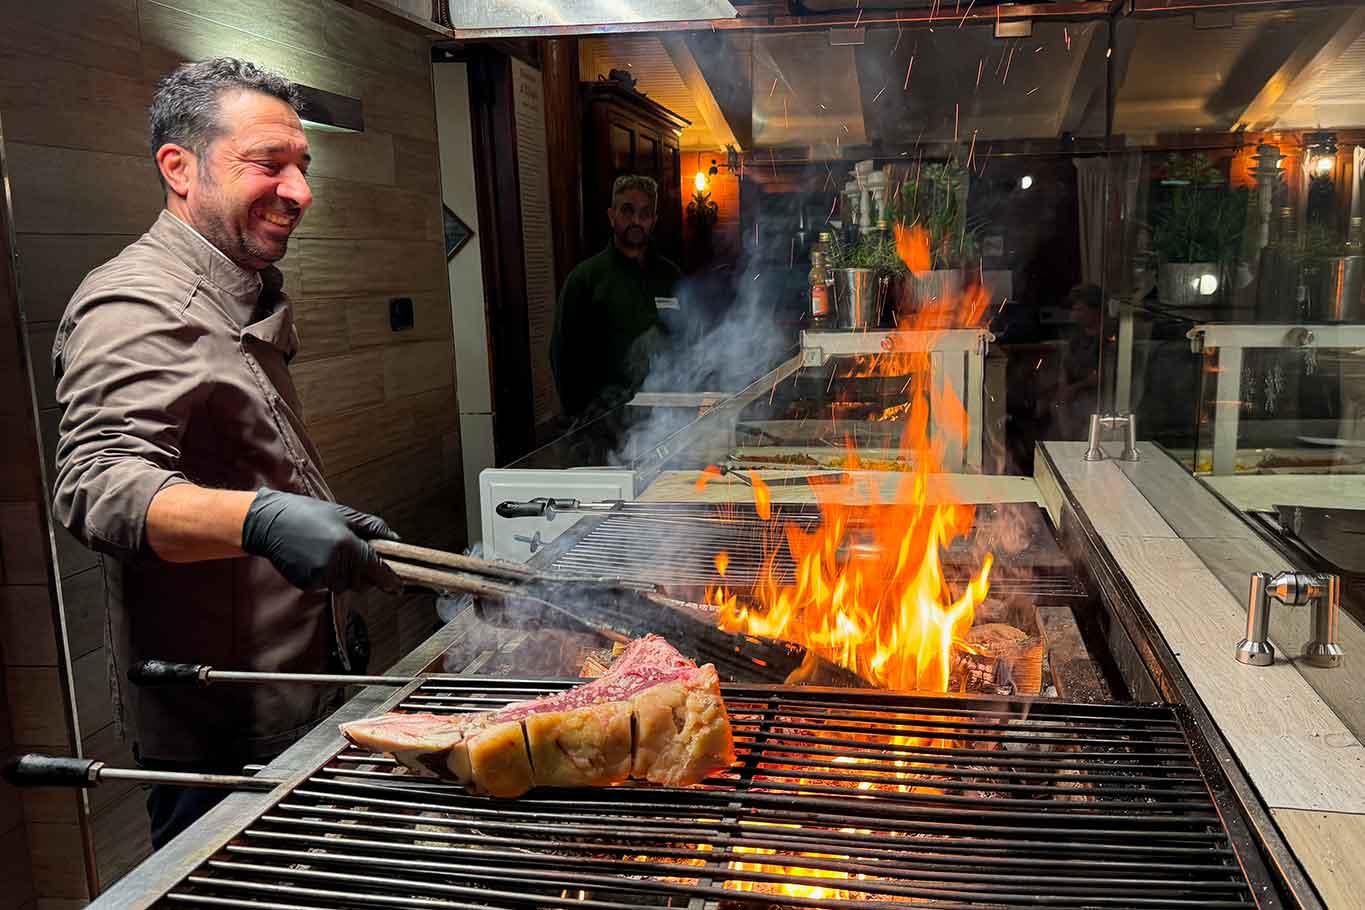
(172,367)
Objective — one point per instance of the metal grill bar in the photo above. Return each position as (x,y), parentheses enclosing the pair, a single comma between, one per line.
(875,798)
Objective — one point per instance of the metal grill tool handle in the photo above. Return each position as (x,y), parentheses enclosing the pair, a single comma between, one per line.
(547,507)
(155,673)
(34,769)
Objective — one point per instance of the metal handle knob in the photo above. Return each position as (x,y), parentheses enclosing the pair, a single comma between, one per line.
(167,673)
(34,769)
(1321,593)
(1321,649)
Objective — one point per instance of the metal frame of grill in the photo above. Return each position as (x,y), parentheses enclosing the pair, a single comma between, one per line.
(1013,803)
(673,544)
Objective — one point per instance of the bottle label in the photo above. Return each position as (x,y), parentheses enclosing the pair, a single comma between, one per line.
(819,300)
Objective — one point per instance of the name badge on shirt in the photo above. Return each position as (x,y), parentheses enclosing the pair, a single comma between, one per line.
(666,303)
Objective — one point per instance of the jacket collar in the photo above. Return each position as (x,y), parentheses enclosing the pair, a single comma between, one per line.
(255,300)
(621,258)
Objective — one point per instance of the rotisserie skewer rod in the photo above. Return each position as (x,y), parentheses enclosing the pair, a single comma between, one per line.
(34,769)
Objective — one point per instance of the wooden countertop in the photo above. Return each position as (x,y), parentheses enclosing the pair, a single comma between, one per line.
(1308,766)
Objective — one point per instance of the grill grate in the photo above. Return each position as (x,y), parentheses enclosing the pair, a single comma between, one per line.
(875,797)
(676,547)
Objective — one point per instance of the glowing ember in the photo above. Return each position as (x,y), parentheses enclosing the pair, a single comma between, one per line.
(869,591)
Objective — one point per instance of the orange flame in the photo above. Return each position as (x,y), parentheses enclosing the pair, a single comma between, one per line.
(912,245)
(763,497)
(710,473)
(869,592)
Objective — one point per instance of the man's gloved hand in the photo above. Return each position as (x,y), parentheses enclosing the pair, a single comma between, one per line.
(316,544)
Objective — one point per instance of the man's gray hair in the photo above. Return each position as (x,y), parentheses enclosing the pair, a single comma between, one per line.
(627,182)
(184,109)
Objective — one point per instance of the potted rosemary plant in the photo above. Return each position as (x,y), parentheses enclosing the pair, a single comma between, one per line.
(935,203)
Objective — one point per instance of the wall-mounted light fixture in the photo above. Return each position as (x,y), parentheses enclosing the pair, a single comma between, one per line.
(1322,153)
(323,110)
(700,181)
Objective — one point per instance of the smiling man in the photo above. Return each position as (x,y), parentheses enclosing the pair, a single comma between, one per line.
(183,457)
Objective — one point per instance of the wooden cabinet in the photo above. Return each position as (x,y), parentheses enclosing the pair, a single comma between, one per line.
(627,133)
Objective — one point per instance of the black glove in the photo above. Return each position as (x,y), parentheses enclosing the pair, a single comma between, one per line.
(317,544)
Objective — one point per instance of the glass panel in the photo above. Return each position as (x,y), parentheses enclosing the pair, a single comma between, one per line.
(1236,274)
(622,150)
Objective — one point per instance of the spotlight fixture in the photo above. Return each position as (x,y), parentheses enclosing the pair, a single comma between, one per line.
(1025,182)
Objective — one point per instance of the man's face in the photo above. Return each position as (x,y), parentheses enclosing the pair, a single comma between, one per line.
(632,219)
(251,188)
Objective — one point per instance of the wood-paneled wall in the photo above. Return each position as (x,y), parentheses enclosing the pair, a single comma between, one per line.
(75,80)
(42,833)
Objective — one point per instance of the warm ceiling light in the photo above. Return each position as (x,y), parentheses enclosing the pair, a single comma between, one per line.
(1322,166)
(700,181)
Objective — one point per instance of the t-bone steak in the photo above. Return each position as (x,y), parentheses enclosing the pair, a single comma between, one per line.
(654,716)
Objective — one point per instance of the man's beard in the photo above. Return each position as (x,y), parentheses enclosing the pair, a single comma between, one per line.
(234,244)
(634,237)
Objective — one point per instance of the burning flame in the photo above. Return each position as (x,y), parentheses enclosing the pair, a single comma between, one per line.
(710,473)
(869,591)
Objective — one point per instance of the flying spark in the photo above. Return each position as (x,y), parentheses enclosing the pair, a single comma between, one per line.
(1007,67)
(971,153)
(1066,36)
(791,255)
(1031,91)
(878,95)
(966,14)
(786,117)
(1038,364)
(860,16)
(907,73)
(774,88)
(979,67)
(956,111)
(1038,49)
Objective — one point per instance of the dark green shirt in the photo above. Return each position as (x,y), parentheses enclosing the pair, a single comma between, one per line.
(607,325)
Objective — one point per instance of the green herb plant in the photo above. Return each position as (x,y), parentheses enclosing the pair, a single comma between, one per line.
(1203,221)
(932,200)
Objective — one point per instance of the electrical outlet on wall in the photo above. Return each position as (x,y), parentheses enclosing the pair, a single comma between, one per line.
(400,314)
